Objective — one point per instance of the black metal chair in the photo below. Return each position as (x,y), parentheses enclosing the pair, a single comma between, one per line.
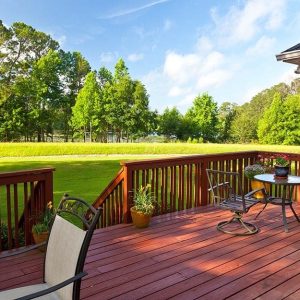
(227,193)
(66,251)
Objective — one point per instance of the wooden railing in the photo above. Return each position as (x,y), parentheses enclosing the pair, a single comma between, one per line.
(23,198)
(177,183)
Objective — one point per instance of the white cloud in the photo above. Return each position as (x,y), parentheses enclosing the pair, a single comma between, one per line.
(181,68)
(288,76)
(167,25)
(262,46)
(242,24)
(176,91)
(213,78)
(204,44)
(135,57)
(107,57)
(130,11)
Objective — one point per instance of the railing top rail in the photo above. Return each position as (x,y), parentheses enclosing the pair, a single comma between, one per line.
(291,155)
(187,159)
(26,172)
(110,187)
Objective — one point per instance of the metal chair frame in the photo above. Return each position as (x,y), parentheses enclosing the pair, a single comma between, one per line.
(227,194)
(89,216)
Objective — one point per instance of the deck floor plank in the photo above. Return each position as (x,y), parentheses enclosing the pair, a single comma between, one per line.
(182,256)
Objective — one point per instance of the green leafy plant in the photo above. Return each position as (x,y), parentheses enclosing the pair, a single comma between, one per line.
(281,161)
(4,236)
(144,200)
(252,170)
(45,220)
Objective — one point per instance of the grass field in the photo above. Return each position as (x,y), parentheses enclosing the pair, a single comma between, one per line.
(84,170)
(46,149)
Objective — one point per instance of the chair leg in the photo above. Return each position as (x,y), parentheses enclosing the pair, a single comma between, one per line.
(237,218)
(261,211)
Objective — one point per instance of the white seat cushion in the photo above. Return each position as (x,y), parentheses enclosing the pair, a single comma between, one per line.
(26,290)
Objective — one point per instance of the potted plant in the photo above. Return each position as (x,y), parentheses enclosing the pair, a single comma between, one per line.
(40,230)
(252,170)
(282,166)
(144,204)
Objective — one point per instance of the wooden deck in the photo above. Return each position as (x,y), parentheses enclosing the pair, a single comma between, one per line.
(183,256)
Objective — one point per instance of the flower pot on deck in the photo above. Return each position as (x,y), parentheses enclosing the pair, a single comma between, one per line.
(139,219)
(40,238)
(255,184)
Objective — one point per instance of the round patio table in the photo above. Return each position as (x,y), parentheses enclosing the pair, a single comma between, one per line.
(288,185)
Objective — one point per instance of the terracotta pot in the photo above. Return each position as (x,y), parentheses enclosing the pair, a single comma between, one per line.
(258,185)
(139,219)
(40,238)
(282,171)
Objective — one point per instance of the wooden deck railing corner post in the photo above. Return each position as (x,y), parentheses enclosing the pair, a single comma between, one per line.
(127,193)
(204,184)
(49,187)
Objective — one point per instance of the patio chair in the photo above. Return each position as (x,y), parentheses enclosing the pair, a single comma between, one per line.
(227,193)
(66,251)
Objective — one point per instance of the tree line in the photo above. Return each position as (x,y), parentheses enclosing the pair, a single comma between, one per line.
(45,92)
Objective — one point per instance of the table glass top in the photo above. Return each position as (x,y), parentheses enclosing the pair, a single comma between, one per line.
(270,178)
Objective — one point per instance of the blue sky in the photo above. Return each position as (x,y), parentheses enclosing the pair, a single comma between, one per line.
(177,48)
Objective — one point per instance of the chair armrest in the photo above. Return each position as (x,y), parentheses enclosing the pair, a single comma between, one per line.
(219,185)
(18,251)
(257,190)
(54,288)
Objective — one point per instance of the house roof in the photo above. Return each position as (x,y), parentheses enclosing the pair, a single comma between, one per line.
(291,56)
(294,48)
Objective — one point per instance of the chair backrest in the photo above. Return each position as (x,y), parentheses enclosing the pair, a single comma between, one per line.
(225,186)
(68,244)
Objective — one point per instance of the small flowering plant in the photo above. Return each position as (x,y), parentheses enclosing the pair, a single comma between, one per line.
(144,200)
(255,169)
(45,220)
(282,161)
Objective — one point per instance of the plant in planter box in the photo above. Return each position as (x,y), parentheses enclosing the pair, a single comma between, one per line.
(144,204)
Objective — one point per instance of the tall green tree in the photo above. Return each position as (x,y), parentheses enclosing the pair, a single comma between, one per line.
(245,124)
(226,115)
(86,109)
(170,123)
(73,72)
(204,115)
(281,122)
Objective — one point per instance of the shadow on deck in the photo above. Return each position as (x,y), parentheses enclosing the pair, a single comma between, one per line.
(182,255)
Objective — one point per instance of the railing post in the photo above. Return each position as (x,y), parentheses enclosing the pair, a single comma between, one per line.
(127,196)
(204,184)
(48,188)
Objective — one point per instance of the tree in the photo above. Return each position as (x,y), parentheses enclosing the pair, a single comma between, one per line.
(270,127)
(281,122)
(86,109)
(203,114)
(226,115)
(73,72)
(170,123)
(291,118)
(245,124)
(47,93)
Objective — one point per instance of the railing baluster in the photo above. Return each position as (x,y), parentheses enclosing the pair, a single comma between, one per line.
(9,225)
(16,213)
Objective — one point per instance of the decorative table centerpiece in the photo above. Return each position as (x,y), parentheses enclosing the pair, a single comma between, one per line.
(282,167)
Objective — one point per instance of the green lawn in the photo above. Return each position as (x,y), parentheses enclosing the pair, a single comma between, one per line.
(87,175)
(84,177)
(45,149)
